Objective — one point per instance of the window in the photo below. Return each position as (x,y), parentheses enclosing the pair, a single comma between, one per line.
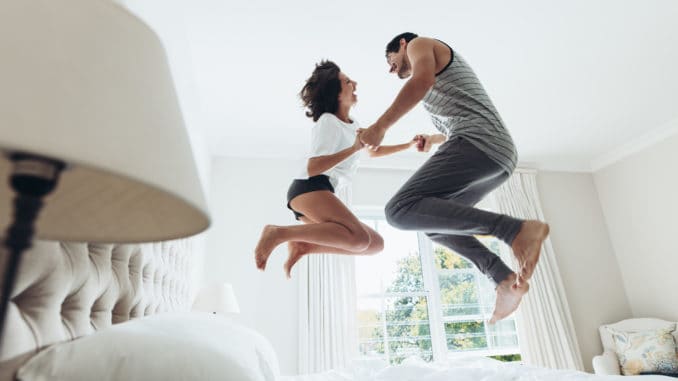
(418,298)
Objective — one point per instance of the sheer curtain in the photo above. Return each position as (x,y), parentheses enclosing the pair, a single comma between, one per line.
(544,323)
(327,309)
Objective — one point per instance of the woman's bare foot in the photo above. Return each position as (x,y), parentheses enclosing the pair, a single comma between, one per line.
(295,251)
(509,295)
(267,242)
(527,246)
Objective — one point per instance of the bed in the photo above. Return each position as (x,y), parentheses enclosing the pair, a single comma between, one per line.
(117,312)
(466,369)
(112,312)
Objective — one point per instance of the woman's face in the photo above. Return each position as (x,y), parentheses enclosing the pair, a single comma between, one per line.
(347,96)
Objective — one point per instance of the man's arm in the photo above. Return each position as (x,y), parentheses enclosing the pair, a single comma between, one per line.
(425,142)
(422,58)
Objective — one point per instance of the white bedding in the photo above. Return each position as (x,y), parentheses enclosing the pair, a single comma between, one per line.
(168,347)
(470,369)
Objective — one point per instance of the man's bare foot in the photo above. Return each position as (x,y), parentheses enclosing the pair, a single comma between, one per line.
(295,251)
(267,242)
(527,246)
(509,295)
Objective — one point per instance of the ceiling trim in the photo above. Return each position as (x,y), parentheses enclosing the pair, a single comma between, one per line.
(635,145)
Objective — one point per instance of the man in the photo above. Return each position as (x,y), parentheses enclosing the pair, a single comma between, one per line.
(476,156)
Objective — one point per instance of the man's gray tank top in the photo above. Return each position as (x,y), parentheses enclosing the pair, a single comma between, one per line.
(459,106)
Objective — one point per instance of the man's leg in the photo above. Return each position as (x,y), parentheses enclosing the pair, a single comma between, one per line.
(432,200)
(438,199)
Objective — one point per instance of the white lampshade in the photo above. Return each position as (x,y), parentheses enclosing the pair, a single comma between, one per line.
(217,298)
(87,83)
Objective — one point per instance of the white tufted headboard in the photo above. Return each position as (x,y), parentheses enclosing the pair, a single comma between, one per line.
(67,290)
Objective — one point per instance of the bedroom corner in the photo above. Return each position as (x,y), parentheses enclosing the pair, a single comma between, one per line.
(289,191)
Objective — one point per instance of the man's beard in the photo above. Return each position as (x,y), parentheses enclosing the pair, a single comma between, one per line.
(404,71)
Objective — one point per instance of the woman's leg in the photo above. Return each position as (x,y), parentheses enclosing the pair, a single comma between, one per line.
(336,227)
(297,249)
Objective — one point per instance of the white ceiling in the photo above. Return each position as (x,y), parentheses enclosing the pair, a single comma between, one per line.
(574,80)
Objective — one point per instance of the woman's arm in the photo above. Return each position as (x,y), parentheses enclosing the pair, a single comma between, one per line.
(422,141)
(388,150)
(319,164)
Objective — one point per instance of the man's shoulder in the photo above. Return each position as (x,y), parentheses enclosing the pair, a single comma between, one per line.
(423,41)
(424,46)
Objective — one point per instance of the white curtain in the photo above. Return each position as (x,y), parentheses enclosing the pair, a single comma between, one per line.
(544,323)
(327,309)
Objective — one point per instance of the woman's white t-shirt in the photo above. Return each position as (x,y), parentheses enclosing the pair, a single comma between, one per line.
(329,136)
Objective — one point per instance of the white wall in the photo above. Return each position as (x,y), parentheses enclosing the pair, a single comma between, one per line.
(638,197)
(585,256)
(245,195)
(374,187)
(167,20)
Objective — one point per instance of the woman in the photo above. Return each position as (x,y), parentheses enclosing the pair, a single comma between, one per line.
(329,226)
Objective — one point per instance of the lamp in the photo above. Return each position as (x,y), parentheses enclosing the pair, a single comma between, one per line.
(218,299)
(90,121)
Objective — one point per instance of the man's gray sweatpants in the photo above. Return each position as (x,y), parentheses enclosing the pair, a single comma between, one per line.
(439,198)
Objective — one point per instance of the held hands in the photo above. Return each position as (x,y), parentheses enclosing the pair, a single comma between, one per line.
(372,137)
(423,142)
(358,144)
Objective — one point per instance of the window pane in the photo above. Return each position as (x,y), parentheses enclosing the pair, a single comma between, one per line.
(465,335)
(458,293)
(393,321)
(396,269)
(447,259)
(402,322)
(503,334)
(371,327)
(467,301)
(409,333)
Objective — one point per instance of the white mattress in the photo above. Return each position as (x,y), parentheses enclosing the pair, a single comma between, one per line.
(470,369)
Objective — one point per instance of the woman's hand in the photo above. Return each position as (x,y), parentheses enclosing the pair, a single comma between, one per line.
(414,141)
(372,136)
(358,144)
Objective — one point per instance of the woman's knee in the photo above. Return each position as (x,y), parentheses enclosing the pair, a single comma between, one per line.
(359,239)
(376,244)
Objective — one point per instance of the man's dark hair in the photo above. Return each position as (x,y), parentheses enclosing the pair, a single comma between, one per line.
(394,45)
(320,94)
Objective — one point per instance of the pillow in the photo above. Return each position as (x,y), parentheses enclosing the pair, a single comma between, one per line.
(183,346)
(646,351)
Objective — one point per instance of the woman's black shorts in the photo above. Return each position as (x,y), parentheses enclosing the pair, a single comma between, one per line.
(312,184)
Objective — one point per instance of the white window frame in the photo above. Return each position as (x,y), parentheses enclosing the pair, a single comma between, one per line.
(433,298)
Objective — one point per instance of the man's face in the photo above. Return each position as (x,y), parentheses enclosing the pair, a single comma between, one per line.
(399,64)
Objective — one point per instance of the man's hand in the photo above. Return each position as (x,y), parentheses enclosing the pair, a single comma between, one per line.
(424,142)
(372,136)
(414,141)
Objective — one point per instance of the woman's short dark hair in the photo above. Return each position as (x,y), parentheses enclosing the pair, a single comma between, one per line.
(320,94)
(394,45)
